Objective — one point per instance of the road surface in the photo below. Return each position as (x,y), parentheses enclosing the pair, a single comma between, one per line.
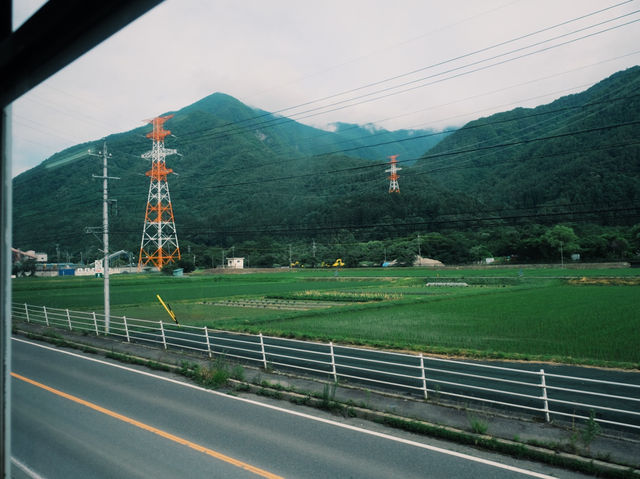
(76,415)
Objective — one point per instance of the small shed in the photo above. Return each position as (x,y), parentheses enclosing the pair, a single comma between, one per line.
(235,263)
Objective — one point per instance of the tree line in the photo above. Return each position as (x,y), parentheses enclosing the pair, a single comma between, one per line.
(533,243)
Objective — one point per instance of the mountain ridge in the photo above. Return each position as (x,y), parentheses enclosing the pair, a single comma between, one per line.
(246,175)
(610,102)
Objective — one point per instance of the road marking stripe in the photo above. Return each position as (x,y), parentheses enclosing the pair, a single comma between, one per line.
(302,415)
(146,427)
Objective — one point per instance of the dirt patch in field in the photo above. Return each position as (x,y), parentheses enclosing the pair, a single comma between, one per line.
(605,281)
(292,305)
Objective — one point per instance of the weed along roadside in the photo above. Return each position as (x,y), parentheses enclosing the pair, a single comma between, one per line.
(582,447)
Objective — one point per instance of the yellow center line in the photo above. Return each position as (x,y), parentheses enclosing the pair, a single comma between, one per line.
(146,427)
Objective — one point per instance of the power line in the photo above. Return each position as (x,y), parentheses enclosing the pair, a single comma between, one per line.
(453,167)
(468,126)
(444,62)
(212,135)
(443,220)
(456,218)
(433,156)
(202,134)
(122,193)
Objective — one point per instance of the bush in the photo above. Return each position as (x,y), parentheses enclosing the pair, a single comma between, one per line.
(185,264)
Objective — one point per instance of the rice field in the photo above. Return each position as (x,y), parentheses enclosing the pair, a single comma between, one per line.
(574,316)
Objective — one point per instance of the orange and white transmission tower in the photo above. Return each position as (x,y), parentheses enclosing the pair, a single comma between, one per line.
(159,238)
(394,187)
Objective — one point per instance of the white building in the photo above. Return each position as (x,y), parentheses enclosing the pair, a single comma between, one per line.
(235,263)
(39,257)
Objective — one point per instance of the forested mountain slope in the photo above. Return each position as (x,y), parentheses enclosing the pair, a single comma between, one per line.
(241,172)
(582,150)
(245,175)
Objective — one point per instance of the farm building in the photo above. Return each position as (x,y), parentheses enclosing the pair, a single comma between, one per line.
(235,263)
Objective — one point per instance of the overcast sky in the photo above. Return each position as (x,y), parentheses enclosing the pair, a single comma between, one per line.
(354,54)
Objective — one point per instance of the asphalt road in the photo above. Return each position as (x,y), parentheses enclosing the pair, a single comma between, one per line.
(75,415)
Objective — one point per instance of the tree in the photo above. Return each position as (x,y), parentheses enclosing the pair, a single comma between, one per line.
(29,267)
(561,238)
(617,245)
(635,240)
(185,264)
(479,252)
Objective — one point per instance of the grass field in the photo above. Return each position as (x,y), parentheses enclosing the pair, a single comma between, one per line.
(564,315)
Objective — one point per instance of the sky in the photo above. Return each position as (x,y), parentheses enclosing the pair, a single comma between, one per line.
(408,64)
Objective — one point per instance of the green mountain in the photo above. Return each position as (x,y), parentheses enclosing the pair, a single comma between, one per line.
(242,173)
(289,137)
(247,176)
(581,151)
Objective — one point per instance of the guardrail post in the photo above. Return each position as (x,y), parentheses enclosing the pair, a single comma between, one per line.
(95,323)
(164,339)
(26,310)
(69,320)
(423,376)
(46,317)
(264,355)
(333,362)
(126,328)
(543,385)
(206,335)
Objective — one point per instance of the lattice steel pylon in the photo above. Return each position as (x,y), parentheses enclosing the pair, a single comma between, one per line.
(394,187)
(159,243)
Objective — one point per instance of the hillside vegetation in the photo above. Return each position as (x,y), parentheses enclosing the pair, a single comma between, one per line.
(523,184)
(581,152)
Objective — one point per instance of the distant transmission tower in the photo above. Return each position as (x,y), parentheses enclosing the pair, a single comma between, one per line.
(394,187)
(159,238)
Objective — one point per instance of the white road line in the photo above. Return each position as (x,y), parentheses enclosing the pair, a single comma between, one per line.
(29,472)
(302,415)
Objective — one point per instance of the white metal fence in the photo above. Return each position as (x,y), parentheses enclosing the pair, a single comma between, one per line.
(614,403)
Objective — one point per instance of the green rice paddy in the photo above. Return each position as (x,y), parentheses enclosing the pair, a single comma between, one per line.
(574,316)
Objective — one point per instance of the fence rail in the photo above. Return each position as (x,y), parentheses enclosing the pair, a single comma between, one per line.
(614,403)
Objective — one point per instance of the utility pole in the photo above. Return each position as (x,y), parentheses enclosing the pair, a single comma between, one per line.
(419,253)
(289,255)
(105,231)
